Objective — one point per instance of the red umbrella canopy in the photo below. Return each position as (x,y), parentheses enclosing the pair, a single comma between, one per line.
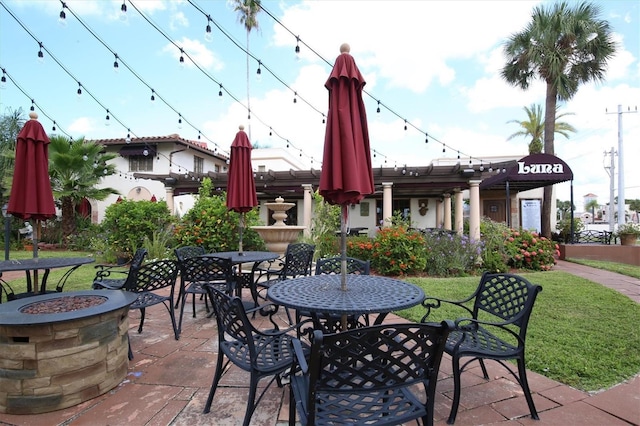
(241,188)
(346,166)
(31,196)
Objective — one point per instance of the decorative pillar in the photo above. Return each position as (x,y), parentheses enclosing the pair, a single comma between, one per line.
(459,213)
(387,204)
(439,213)
(447,211)
(169,198)
(306,209)
(474,213)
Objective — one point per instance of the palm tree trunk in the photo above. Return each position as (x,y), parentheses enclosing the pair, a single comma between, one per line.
(549,133)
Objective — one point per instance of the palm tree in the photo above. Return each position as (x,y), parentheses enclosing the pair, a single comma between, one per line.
(564,209)
(248,16)
(76,167)
(10,125)
(592,205)
(534,127)
(563,45)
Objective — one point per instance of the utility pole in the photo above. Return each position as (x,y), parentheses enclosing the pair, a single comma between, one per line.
(621,217)
(612,187)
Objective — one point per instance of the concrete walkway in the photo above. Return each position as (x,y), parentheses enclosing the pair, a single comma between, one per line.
(168,383)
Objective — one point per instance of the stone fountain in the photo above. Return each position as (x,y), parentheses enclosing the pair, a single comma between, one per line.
(278,236)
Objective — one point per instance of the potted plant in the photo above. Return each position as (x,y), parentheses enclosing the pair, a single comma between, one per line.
(629,233)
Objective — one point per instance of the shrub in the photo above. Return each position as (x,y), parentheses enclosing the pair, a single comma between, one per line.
(528,250)
(564,228)
(398,251)
(450,254)
(360,247)
(325,223)
(494,254)
(127,223)
(209,224)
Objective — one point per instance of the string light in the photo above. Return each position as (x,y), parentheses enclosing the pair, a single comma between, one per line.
(443,150)
(79,91)
(40,54)
(297,48)
(62,20)
(128,138)
(33,107)
(426,138)
(181,57)
(53,129)
(378,110)
(295,95)
(3,79)
(153,95)
(115,63)
(220,92)
(123,11)
(405,125)
(107,119)
(259,72)
(207,31)
(179,121)
(198,134)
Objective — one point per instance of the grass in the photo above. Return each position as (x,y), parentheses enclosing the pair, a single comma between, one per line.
(581,333)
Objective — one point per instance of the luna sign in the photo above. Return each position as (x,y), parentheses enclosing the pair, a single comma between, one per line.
(548,169)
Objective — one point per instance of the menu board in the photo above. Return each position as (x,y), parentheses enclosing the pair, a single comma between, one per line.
(530,212)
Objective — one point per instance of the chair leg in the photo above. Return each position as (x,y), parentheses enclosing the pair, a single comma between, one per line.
(176,333)
(181,302)
(456,390)
(251,400)
(214,385)
(193,304)
(522,372)
(142,312)
(484,369)
(292,407)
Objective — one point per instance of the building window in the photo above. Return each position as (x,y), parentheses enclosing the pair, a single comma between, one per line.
(141,163)
(198,164)
(216,168)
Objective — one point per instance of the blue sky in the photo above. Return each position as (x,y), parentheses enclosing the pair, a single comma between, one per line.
(434,64)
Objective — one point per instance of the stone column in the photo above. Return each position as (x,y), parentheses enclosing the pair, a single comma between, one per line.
(387,204)
(439,213)
(306,209)
(459,213)
(447,211)
(474,214)
(169,198)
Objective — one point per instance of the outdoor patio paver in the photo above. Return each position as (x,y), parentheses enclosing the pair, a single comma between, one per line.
(169,381)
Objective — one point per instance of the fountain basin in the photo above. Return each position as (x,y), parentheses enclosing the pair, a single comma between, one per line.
(277,238)
(50,361)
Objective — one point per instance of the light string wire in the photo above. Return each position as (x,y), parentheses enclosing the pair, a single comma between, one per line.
(34,103)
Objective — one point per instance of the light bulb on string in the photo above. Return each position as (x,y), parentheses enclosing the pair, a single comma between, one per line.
(79,91)
(179,121)
(95,163)
(270,131)
(295,97)
(207,31)
(128,138)
(116,65)
(220,93)
(32,108)
(378,110)
(53,129)
(3,80)
(181,58)
(153,95)
(259,72)
(145,152)
(198,134)
(85,157)
(40,54)
(481,167)
(62,19)
(123,12)
(426,138)
(297,48)
(405,125)
(443,150)
(107,119)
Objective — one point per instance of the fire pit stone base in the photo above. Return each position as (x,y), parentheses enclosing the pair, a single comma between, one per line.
(52,365)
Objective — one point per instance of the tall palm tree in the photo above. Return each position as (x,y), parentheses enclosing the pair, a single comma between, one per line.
(564,45)
(10,125)
(534,127)
(248,16)
(76,167)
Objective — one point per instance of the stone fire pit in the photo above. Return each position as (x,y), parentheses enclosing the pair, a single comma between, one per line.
(60,349)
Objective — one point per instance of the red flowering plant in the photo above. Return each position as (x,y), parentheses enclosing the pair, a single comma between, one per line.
(360,247)
(529,250)
(398,251)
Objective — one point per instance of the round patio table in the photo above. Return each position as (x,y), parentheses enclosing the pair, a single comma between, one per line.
(46,264)
(365,294)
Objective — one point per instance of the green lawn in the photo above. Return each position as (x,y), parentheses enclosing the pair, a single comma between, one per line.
(581,333)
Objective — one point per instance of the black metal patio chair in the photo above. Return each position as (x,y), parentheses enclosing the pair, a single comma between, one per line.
(262,353)
(195,272)
(113,277)
(494,327)
(150,278)
(379,375)
(183,253)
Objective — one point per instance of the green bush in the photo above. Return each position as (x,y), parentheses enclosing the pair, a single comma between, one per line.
(360,247)
(397,250)
(528,250)
(564,228)
(127,223)
(494,255)
(450,254)
(325,223)
(209,224)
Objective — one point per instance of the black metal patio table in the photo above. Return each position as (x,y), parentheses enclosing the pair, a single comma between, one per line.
(45,264)
(365,294)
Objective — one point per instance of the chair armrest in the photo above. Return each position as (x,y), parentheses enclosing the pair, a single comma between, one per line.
(104,271)
(470,324)
(432,303)
(300,357)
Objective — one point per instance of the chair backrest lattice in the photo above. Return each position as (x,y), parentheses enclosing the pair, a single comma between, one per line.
(207,270)
(153,276)
(507,296)
(186,252)
(233,323)
(333,266)
(298,260)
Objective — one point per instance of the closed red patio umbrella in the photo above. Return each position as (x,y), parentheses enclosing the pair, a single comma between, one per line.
(241,188)
(31,195)
(346,166)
